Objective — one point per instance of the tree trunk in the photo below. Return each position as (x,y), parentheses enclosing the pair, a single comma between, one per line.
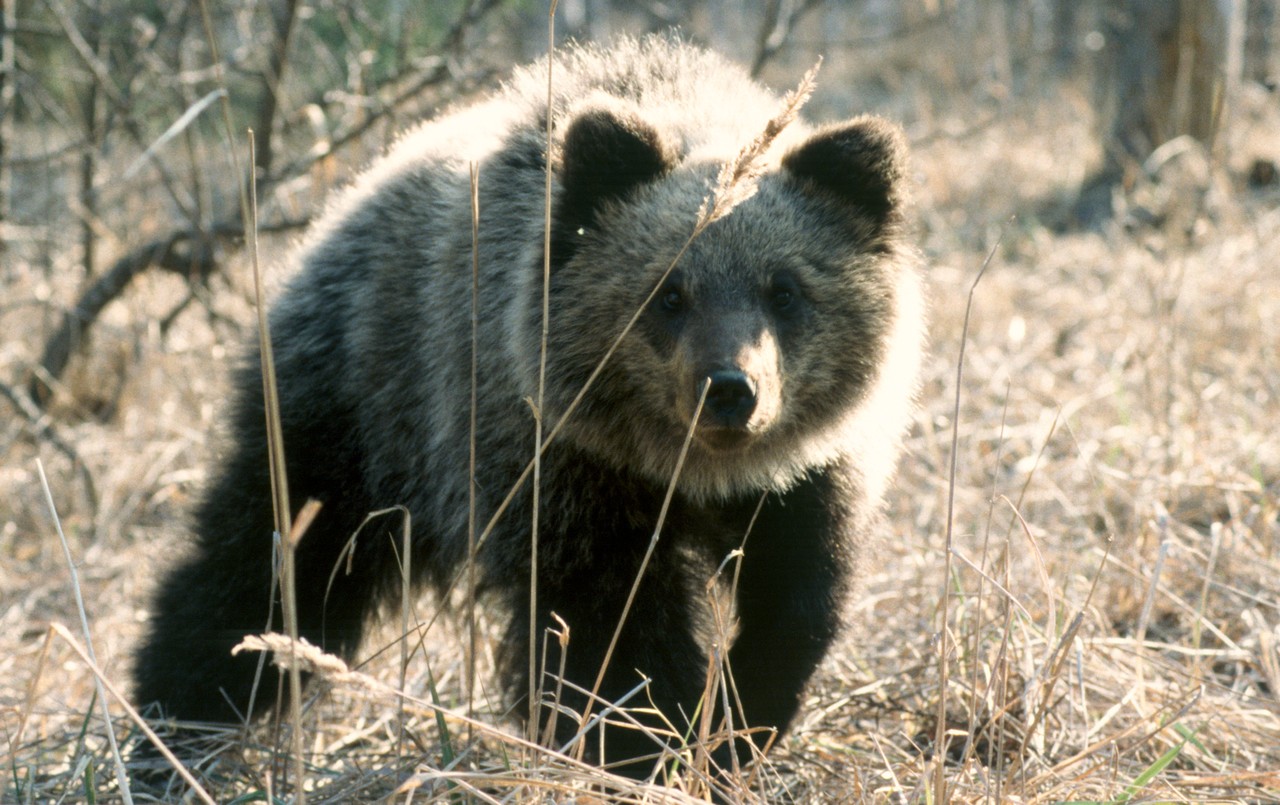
(1166,67)
(1163,75)
(283,15)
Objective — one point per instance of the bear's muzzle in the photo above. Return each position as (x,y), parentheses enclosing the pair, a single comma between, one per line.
(731,399)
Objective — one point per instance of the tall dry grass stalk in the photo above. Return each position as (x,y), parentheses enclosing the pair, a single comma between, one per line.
(472,634)
(539,409)
(648,554)
(286,535)
(738,178)
(102,680)
(944,649)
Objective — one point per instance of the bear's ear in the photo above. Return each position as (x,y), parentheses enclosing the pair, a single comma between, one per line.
(608,151)
(861,161)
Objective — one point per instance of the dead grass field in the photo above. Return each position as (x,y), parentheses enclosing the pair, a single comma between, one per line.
(1112,583)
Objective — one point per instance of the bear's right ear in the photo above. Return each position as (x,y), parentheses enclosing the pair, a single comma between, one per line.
(607,152)
(861,161)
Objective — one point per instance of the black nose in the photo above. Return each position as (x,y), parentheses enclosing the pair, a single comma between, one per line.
(731,398)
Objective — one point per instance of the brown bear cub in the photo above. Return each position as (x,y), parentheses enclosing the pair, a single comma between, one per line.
(798,312)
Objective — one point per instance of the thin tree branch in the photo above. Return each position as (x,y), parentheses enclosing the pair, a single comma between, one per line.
(776,30)
(163,252)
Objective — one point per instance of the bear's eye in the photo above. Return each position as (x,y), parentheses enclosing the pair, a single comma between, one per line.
(672,300)
(784,295)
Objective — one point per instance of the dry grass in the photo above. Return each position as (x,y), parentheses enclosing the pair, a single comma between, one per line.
(1114,608)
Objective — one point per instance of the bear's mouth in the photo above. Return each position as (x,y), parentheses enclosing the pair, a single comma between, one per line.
(723,439)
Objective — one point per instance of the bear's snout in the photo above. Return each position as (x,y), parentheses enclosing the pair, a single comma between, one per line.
(740,404)
(731,399)
(735,358)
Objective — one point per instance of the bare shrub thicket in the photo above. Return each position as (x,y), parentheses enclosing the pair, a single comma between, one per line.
(1108,549)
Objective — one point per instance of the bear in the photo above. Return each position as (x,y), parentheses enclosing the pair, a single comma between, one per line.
(792,326)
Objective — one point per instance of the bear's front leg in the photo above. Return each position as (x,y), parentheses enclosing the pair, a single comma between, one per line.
(223,588)
(585,578)
(797,570)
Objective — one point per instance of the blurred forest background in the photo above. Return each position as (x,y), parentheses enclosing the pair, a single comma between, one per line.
(1114,581)
(116,114)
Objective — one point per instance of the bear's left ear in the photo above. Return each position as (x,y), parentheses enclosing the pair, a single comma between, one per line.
(608,151)
(861,161)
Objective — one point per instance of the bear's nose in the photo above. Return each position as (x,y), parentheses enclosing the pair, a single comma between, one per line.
(731,398)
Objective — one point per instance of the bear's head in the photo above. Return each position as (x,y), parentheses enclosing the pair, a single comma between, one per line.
(786,313)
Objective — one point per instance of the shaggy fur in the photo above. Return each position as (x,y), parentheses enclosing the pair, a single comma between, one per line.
(802,306)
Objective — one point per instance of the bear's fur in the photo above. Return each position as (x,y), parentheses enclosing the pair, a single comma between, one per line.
(802,307)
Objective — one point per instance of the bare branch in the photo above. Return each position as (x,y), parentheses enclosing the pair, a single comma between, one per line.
(776,31)
(183,252)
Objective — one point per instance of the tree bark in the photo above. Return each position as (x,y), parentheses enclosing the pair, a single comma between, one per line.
(1162,76)
(1166,65)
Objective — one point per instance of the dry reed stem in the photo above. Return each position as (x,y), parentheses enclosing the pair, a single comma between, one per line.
(539,446)
(472,637)
(122,776)
(940,739)
(279,482)
(653,544)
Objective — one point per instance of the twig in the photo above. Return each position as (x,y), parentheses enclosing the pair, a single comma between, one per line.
(189,250)
(175,128)
(101,73)
(440,70)
(8,78)
(283,15)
